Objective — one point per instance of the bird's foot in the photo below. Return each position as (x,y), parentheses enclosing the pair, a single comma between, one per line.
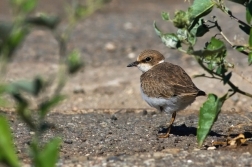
(164,135)
(166,131)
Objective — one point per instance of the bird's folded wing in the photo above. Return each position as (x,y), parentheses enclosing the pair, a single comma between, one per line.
(174,82)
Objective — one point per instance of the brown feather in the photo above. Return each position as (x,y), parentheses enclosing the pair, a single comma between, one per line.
(169,80)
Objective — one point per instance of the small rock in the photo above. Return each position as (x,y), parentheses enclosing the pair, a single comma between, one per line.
(177,140)
(68,141)
(32,133)
(145,112)
(158,154)
(74,109)
(113,117)
(189,161)
(128,26)
(131,55)
(211,148)
(70,124)
(110,46)
(235,98)
(113,159)
(78,90)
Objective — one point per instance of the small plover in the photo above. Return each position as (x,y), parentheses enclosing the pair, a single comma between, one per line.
(165,86)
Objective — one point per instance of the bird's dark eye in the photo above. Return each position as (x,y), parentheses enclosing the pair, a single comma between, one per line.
(148,59)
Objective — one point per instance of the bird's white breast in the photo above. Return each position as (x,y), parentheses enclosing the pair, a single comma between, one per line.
(169,105)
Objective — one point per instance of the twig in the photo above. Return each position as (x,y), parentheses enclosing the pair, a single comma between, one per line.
(233,87)
(238,20)
(215,22)
(212,77)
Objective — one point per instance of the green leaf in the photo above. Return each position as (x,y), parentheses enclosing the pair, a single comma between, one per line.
(221,69)
(28,5)
(199,29)
(249,12)
(15,38)
(8,152)
(74,62)
(22,109)
(32,87)
(158,32)
(215,44)
(25,6)
(227,78)
(208,115)
(250,58)
(245,28)
(170,39)
(200,8)
(240,48)
(48,156)
(182,34)
(250,38)
(214,53)
(192,40)
(80,11)
(165,16)
(181,19)
(45,107)
(5,30)
(44,20)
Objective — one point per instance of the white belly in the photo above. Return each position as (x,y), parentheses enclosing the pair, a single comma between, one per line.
(169,105)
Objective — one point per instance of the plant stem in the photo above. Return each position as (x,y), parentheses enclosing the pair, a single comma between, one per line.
(233,87)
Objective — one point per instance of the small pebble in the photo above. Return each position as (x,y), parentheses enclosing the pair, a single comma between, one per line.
(68,141)
(74,109)
(145,112)
(132,55)
(110,46)
(32,133)
(78,90)
(176,140)
(128,26)
(189,161)
(113,117)
(211,148)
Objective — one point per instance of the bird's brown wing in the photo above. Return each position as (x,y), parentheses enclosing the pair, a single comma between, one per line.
(169,80)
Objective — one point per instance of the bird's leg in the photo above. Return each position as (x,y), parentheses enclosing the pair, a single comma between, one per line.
(169,128)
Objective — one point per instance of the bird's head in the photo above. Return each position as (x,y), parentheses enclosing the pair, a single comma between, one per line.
(147,59)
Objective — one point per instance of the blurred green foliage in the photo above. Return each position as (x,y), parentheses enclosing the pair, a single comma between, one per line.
(191,25)
(13,33)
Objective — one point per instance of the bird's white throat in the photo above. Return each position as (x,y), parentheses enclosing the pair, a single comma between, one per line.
(146,66)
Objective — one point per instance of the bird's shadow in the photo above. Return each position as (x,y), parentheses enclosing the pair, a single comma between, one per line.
(183,130)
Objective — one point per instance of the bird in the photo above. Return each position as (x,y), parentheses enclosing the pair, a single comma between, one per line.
(165,86)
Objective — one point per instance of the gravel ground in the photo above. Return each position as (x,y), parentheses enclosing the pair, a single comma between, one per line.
(129,138)
(104,122)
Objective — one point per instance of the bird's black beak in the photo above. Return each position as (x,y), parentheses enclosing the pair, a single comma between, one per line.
(134,64)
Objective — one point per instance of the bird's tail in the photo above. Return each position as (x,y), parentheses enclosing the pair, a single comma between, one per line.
(201,93)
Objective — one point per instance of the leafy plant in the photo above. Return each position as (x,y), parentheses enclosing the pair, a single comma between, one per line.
(191,25)
(12,36)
